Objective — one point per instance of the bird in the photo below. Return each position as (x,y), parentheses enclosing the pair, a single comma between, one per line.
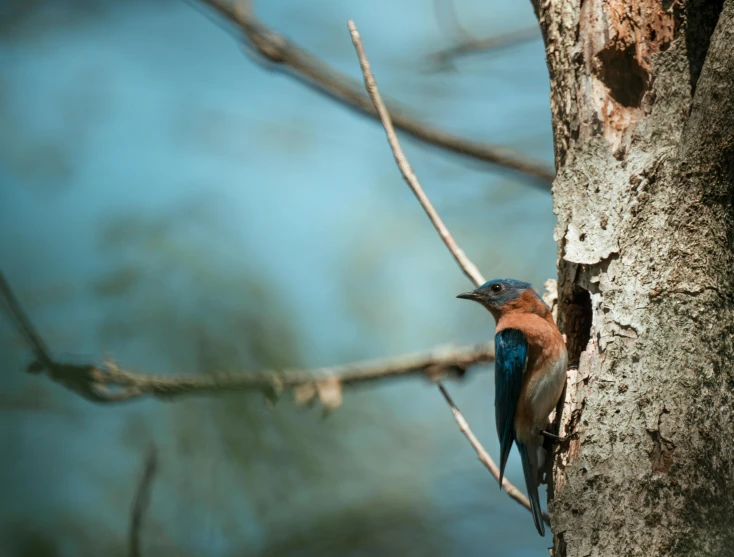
(530,375)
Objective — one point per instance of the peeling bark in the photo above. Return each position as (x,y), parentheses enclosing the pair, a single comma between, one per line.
(642,98)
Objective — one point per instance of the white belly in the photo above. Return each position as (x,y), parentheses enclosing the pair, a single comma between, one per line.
(545,392)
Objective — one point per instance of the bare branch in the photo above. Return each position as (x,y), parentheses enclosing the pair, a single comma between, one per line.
(454,361)
(484,457)
(108,383)
(444,58)
(141,501)
(464,262)
(467,266)
(287,56)
(23,324)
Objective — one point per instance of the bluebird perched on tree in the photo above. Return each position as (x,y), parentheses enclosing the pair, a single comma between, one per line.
(530,373)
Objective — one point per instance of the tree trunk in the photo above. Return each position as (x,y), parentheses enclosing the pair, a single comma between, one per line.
(642,97)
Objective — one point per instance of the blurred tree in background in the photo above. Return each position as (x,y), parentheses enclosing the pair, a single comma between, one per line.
(170,205)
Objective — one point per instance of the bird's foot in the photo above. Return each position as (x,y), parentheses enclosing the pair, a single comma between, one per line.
(555,438)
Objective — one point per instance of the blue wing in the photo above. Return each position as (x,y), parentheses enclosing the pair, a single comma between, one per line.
(511,359)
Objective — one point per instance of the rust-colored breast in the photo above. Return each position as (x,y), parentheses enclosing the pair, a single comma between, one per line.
(545,348)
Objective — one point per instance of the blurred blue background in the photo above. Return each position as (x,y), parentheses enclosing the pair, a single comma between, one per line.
(170,204)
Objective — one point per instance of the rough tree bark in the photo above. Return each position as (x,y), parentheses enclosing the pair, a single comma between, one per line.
(642,98)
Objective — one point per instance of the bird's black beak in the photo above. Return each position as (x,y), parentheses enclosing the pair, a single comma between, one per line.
(469,296)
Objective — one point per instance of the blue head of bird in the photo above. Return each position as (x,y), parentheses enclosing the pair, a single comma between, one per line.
(499,295)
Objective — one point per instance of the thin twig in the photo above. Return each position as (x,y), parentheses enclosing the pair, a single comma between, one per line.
(464,262)
(468,43)
(446,16)
(283,54)
(446,56)
(141,501)
(484,457)
(23,324)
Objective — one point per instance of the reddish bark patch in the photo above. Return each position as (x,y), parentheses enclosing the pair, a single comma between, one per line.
(620,39)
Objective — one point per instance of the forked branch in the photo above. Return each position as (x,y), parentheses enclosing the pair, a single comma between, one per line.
(286,55)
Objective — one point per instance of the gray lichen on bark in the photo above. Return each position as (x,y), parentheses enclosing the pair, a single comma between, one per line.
(642,97)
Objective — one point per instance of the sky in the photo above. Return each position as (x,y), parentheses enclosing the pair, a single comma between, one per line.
(171,203)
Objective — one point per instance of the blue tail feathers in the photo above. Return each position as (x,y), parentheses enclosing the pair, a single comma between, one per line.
(529,460)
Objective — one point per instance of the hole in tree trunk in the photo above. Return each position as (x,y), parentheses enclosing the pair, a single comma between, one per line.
(577,318)
(623,74)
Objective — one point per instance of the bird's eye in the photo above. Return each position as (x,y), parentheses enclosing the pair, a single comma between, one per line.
(496,288)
